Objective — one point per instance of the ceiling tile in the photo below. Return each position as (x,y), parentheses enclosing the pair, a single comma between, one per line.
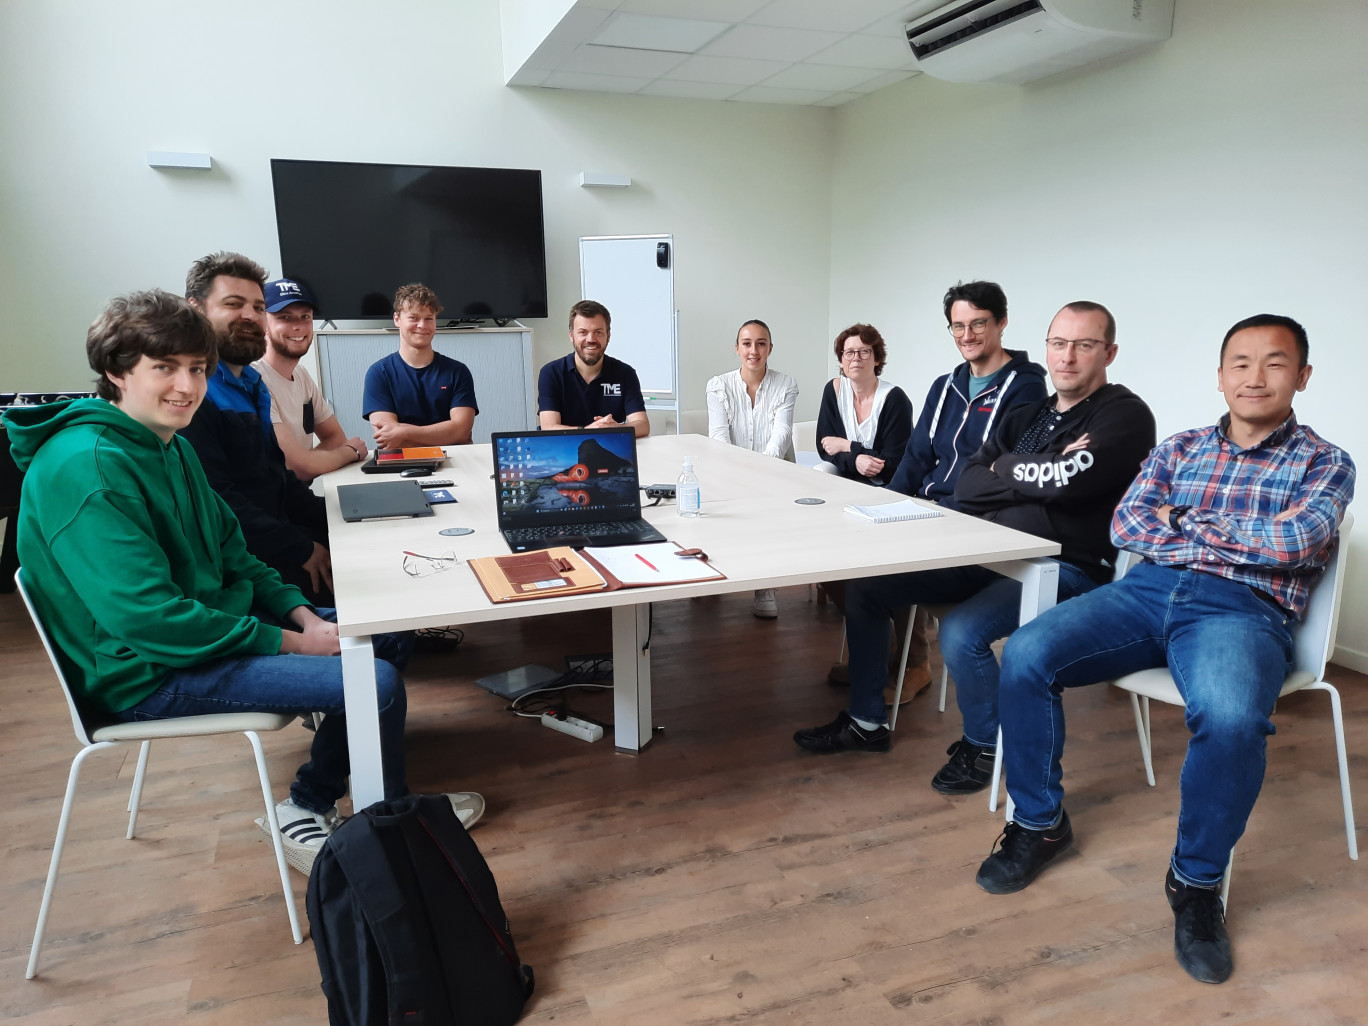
(836,99)
(775,44)
(729,70)
(889,53)
(819,76)
(617,60)
(842,16)
(648,32)
(878,82)
(594,83)
(714,10)
(769,94)
(692,90)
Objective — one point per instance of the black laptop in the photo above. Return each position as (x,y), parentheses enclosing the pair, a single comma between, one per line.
(573,488)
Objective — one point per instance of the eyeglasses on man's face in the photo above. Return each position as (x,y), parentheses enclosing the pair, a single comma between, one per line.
(857,354)
(974,327)
(1082,346)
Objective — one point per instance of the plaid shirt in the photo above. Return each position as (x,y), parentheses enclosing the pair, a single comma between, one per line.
(1266,516)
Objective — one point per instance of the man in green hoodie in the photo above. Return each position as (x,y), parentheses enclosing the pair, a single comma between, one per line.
(141,575)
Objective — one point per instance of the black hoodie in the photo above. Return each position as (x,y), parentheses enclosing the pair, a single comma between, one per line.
(1065,498)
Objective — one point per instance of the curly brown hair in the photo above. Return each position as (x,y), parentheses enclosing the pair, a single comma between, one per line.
(870,336)
(416,294)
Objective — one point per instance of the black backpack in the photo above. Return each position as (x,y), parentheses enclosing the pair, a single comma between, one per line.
(407,923)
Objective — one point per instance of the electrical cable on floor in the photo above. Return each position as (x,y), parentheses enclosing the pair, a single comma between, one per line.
(594,674)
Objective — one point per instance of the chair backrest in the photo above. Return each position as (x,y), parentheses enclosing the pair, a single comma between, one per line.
(77,723)
(1315,635)
(805,436)
(1124,561)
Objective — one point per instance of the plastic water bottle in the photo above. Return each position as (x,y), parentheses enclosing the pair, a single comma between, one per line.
(688,499)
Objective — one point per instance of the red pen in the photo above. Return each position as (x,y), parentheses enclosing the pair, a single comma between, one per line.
(645,560)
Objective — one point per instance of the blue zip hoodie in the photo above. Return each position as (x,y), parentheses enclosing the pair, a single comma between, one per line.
(951,428)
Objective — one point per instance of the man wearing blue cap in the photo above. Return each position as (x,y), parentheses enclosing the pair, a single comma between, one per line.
(298,410)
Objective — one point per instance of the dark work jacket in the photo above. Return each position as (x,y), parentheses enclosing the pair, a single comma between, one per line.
(890,435)
(280,517)
(1065,498)
(951,428)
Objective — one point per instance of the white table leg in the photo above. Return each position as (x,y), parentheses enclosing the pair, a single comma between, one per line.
(363,721)
(631,677)
(1039,591)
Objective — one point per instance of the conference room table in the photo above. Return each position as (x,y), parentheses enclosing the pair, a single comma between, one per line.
(751,527)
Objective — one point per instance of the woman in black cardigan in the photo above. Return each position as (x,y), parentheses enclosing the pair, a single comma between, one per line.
(864,422)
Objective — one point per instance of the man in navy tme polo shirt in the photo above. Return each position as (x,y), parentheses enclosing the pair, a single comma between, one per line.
(588,388)
(417,396)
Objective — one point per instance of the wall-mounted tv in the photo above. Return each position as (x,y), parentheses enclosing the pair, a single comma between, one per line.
(353,233)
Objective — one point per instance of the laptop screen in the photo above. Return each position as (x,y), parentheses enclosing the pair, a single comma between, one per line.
(553,476)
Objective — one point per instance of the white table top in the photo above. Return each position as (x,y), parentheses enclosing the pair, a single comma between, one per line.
(751,529)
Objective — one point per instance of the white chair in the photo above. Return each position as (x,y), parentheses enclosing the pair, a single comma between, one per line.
(805,444)
(1314,639)
(145,733)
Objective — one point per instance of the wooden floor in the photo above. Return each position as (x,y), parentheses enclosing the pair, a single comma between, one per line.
(720,877)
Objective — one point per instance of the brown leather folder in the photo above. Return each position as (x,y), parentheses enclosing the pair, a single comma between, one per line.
(532,575)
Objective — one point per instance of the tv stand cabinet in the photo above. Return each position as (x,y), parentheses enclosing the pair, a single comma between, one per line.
(500,361)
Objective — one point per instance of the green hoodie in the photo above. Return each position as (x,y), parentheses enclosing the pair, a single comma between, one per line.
(135,564)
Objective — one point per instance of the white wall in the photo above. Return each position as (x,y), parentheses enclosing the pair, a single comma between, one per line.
(86,89)
(1219,175)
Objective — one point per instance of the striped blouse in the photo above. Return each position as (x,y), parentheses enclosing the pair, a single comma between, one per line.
(766,427)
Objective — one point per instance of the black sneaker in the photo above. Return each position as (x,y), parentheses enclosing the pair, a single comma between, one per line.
(1024,853)
(1199,934)
(969,769)
(842,735)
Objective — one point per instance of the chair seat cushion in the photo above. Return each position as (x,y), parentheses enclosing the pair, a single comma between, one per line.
(193,726)
(1158,684)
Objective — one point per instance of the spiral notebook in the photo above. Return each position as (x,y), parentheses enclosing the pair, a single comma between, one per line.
(892,512)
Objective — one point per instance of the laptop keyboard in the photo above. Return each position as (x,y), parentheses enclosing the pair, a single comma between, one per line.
(604,530)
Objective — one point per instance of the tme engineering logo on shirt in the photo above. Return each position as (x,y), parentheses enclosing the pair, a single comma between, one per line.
(612,389)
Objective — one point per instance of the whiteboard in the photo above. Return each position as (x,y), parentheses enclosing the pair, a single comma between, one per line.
(620,272)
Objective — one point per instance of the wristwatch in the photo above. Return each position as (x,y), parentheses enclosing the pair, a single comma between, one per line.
(1176,515)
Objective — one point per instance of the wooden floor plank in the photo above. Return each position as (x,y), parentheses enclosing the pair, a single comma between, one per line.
(719,877)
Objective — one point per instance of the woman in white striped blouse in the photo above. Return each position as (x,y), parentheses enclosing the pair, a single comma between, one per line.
(753,407)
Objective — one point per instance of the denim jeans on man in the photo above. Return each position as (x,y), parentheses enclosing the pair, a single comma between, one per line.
(299,684)
(1229,652)
(989,608)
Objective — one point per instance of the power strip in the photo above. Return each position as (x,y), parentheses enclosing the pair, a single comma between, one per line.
(602,662)
(574,726)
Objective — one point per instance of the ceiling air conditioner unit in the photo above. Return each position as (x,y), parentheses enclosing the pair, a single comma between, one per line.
(1017,41)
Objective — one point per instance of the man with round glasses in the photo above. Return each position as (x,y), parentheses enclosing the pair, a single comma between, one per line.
(957,417)
(1054,468)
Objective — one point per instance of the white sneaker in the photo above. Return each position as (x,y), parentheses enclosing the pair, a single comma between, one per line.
(468,806)
(302,832)
(765,606)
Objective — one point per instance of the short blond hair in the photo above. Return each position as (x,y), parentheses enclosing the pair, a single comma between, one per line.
(416,294)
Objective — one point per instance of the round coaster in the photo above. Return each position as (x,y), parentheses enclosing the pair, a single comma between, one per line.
(456,532)
(809,501)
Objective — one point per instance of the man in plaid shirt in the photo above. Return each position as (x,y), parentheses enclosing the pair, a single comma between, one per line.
(1235,524)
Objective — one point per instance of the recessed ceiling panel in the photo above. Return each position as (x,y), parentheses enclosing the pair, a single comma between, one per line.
(832,15)
(770,44)
(732,70)
(648,32)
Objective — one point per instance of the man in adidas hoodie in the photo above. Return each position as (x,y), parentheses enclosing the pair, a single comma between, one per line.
(961,409)
(1056,469)
(140,573)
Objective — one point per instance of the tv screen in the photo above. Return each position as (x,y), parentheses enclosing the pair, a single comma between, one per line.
(353,233)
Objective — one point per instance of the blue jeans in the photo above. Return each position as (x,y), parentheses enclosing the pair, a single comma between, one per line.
(298,684)
(1229,652)
(989,608)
